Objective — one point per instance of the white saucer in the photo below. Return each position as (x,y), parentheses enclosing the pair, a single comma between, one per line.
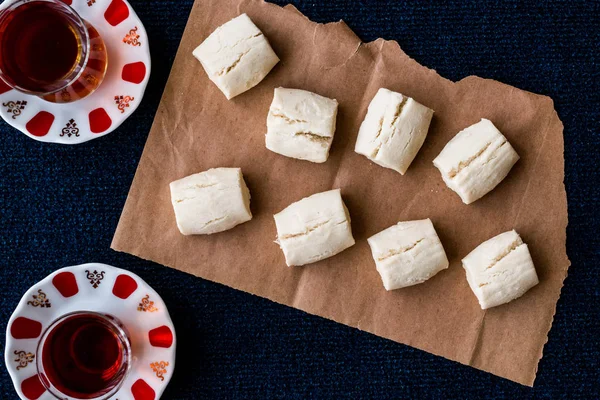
(104,289)
(116,98)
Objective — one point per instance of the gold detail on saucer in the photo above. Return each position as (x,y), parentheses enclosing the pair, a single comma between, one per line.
(24,358)
(14,107)
(95,278)
(123,102)
(160,369)
(40,300)
(146,305)
(132,37)
(91,3)
(70,129)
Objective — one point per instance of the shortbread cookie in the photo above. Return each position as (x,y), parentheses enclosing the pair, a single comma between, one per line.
(500,270)
(407,253)
(393,130)
(236,56)
(314,228)
(301,124)
(476,160)
(211,201)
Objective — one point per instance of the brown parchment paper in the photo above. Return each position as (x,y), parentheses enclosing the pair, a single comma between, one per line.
(196,128)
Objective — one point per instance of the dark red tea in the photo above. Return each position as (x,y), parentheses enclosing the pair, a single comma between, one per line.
(40,46)
(84,357)
(48,50)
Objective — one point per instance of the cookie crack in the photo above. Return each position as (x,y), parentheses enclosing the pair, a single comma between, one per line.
(313,136)
(280,114)
(464,164)
(306,232)
(397,252)
(513,246)
(228,69)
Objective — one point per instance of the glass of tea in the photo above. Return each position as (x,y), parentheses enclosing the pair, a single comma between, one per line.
(48,50)
(84,355)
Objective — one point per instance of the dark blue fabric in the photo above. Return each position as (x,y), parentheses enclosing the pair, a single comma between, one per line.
(60,206)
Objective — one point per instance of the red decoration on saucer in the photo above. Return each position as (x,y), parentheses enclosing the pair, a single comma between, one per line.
(99,120)
(116,12)
(25,328)
(142,391)
(124,286)
(32,387)
(161,337)
(134,72)
(40,124)
(66,284)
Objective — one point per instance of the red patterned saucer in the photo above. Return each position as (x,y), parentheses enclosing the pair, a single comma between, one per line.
(115,99)
(100,288)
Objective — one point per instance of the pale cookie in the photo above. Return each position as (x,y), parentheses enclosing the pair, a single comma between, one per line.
(236,56)
(500,270)
(476,160)
(314,228)
(301,124)
(211,201)
(393,130)
(407,253)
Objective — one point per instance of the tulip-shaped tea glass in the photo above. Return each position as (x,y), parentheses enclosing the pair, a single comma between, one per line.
(84,355)
(48,50)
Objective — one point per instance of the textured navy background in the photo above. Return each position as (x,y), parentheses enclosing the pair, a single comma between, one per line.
(60,206)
